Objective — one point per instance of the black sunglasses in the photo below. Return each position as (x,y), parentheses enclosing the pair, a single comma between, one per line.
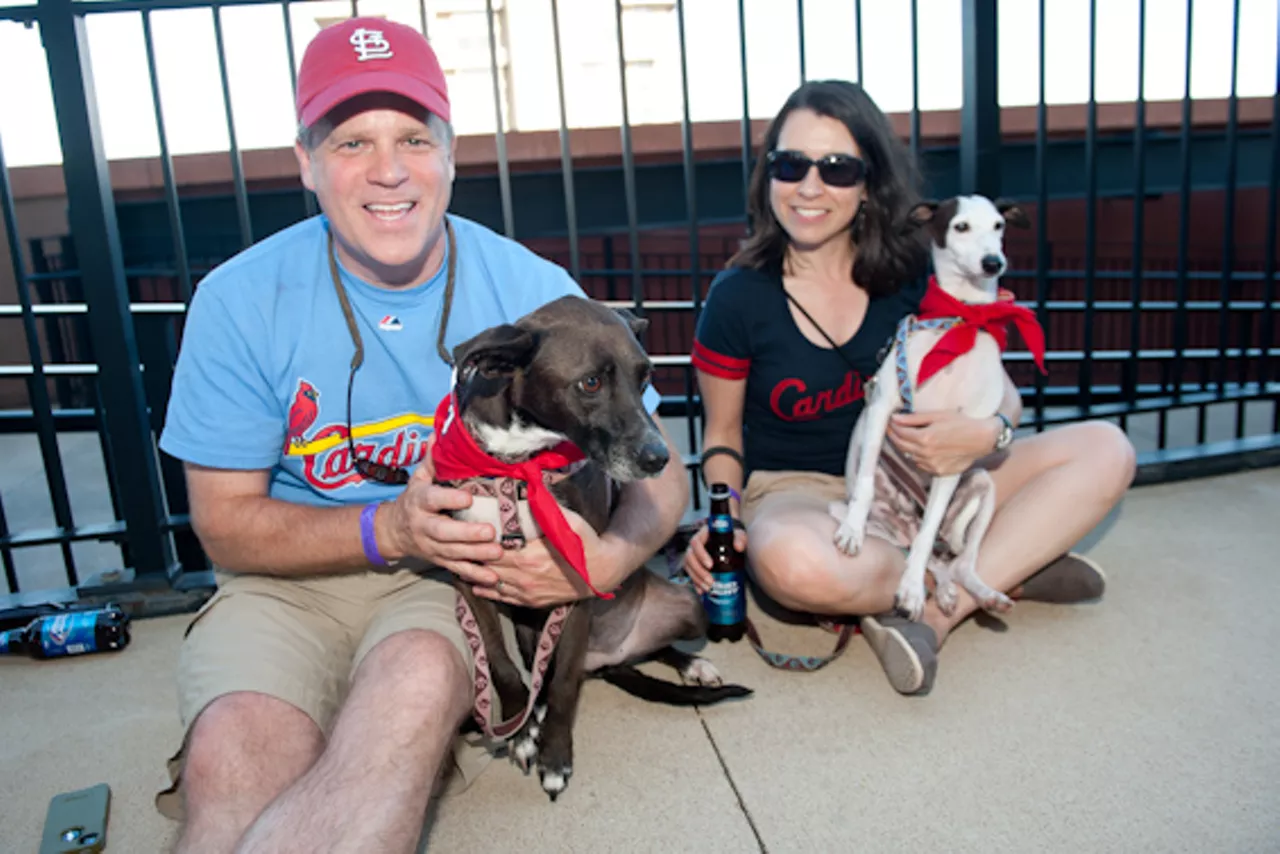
(836,170)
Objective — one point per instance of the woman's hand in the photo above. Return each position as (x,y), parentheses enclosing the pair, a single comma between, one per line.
(943,443)
(697,560)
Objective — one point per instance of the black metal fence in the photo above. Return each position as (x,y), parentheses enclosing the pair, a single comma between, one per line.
(1142,330)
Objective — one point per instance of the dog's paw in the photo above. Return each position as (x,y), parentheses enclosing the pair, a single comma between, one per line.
(947,596)
(848,538)
(996,602)
(909,600)
(555,779)
(524,747)
(699,671)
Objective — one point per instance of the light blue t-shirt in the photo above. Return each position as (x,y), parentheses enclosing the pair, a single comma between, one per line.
(261,378)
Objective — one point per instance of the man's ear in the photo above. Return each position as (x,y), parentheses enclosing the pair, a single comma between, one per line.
(1013,213)
(497,352)
(638,324)
(922,214)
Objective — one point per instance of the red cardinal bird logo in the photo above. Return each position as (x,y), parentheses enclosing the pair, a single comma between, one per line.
(302,414)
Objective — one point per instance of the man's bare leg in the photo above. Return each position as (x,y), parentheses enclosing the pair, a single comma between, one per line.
(244,749)
(370,787)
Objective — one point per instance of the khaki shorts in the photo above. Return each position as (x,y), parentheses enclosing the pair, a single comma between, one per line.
(806,487)
(301,640)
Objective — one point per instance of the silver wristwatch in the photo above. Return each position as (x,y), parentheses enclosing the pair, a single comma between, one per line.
(1006,432)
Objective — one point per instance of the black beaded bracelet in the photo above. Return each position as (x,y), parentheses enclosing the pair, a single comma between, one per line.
(725,450)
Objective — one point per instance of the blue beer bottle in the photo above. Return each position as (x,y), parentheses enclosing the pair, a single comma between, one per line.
(726,602)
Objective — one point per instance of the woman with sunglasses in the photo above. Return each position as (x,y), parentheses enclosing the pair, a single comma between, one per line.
(790,334)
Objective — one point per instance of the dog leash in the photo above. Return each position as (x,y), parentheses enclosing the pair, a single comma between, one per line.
(780,660)
(482,703)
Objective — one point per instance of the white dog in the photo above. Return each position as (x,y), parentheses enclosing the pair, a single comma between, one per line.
(946,358)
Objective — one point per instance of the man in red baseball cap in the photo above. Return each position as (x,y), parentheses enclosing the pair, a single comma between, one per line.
(322,686)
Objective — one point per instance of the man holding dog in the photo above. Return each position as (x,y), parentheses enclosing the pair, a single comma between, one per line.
(323,685)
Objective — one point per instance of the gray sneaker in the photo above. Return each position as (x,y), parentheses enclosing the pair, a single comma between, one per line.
(1070,579)
(908,651)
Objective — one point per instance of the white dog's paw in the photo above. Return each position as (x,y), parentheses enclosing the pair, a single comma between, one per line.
(947,595)
(910,600)
(996,602)
(699,671)
(848,538)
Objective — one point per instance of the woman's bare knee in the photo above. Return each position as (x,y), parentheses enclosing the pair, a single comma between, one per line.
(1107,449)
(244,749)
(418,674)
(803,571)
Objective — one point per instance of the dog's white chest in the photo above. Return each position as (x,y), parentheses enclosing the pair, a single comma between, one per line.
(973,382)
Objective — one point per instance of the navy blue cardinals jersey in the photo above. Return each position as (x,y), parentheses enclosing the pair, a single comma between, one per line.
(802,400)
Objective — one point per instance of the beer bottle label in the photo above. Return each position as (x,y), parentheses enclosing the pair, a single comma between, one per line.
(6,643)
(721,524)
(726,601)
(69,634)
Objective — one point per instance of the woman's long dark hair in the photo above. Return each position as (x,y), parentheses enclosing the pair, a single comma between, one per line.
(890,251)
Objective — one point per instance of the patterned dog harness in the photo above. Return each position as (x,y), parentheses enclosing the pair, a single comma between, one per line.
(909,325)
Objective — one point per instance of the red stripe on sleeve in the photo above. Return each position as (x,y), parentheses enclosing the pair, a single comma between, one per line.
(725,367)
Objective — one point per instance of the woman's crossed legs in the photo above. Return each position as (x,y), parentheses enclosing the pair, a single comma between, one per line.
(1051,489)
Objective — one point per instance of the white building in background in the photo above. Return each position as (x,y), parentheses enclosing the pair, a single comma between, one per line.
(261,99)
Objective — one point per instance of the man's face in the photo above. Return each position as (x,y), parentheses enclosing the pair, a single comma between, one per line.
(384,179)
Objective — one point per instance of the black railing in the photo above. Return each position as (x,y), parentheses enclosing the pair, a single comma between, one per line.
(1140,328)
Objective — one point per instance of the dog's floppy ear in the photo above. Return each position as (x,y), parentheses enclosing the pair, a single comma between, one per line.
(498,351)
(1013,213)
(922,214)
(638,324)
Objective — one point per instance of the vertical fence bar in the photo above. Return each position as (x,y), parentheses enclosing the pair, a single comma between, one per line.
(37,386)
(500,135)
(1269,253)
(6,554)
(166,167)
(746,110)
(800,28)
(1229,210)
(1184,218)
(1132,367)
(237,167)
(629,172)
(690,178)
(1042,217)
(1090,216)
(308,197)
(566,155)
(857,25)
(92,218)
(422,16)
(980,114)
(915,79)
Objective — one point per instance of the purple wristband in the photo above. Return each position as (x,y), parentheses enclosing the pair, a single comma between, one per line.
(368,538)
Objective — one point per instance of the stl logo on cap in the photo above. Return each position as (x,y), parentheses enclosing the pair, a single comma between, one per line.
(370,44)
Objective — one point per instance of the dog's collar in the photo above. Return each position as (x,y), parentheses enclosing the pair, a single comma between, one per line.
(457,457)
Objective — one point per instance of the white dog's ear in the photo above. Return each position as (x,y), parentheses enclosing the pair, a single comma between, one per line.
(1013,213)
(638,324)
(922,214)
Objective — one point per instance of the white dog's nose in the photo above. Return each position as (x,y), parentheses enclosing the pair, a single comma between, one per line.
(992,264)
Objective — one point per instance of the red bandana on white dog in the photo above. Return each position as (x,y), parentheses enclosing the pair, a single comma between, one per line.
(990,317)
(456,456)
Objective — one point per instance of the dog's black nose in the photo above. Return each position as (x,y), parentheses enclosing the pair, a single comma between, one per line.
(653,457)
(992,264)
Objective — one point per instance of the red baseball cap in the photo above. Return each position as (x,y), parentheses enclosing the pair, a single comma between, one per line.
(363,55)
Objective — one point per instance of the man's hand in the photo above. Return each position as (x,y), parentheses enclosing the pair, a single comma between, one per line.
(943,443)
(537,577)
(416,525)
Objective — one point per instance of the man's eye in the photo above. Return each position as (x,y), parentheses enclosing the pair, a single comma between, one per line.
(590,385)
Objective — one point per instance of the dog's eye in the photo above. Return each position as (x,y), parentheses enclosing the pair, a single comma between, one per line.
(962,226)
(999,225)
(590,385)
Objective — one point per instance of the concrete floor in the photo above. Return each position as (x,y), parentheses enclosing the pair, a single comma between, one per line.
(1144,722)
